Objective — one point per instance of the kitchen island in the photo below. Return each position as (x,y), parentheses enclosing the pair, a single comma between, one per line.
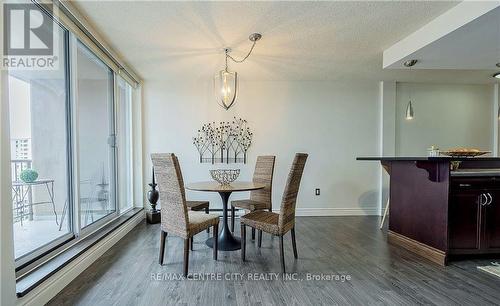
(441,213)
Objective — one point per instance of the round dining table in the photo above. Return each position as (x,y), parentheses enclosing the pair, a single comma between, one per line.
(226,241)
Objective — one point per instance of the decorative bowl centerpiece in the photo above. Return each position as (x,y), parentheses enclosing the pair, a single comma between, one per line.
(28,175)
(464,152)
(225,176)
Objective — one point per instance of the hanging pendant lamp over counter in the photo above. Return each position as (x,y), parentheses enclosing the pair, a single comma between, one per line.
(409,111)
(226,82)
(409,108)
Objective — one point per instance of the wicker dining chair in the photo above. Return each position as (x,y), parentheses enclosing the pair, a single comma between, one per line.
(278,224)
(259,199)
(176,219)
(196,205)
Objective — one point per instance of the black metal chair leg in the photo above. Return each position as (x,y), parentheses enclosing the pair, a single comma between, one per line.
(282,255)
(294,244)
(259,237)
(216,247)
(243,241)
(253,233)
(186,256)
(233,210)
(207,211)
(191,242)
(163,235)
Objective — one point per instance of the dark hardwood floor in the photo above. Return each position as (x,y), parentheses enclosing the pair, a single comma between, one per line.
(354,246)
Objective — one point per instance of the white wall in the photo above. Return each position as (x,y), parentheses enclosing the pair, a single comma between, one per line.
(333,122)
(446,115)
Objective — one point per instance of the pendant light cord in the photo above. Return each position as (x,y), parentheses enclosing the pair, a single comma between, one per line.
(409,88)
(227,54)
(242,60)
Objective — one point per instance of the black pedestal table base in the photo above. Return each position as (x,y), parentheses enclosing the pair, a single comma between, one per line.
(226,240)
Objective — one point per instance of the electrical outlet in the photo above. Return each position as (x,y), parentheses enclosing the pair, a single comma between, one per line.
(317,191)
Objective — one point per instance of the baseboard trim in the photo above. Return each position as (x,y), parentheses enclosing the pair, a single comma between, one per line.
(428,252)
(49,288)
(321,212)
(317,212)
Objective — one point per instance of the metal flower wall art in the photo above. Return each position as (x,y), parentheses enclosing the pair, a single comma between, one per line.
(224,142)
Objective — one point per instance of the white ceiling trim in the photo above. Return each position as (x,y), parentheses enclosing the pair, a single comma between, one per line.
(448,22)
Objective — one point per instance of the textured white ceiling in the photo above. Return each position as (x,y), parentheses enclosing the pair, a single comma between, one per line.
(301,40)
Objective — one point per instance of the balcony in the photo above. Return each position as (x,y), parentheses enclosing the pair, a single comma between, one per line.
(40,208)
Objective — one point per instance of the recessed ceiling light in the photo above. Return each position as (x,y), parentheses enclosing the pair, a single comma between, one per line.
(497,75)
(411,63)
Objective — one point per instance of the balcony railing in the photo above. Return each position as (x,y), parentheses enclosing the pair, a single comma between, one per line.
(17,166)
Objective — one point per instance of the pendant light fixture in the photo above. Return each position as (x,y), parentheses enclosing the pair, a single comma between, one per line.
(226,82)
(409,111)
(409,108)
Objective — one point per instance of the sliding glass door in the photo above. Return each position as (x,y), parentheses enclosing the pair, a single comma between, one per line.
(71,148)
(39,111)
(95,136)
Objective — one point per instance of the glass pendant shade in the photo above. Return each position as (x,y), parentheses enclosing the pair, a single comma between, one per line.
(409,111)
(226,88)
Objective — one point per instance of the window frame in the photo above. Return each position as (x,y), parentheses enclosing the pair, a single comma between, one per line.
(129,93)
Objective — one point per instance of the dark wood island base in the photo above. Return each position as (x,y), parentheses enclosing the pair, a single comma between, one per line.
(438,213)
